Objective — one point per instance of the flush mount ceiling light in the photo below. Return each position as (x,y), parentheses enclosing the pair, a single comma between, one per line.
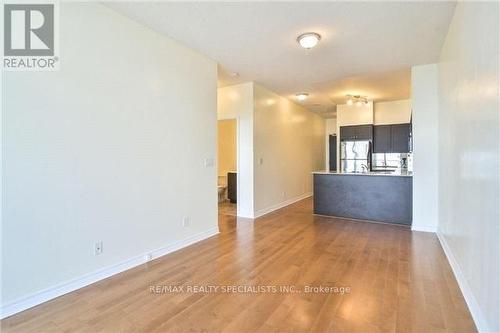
(302,96)
(359,100)
(308,40)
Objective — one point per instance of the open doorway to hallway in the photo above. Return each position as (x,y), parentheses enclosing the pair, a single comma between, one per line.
(227,166)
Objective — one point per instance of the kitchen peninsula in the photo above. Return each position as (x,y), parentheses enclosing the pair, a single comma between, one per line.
(373,196)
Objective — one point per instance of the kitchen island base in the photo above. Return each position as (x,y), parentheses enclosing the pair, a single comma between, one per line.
(377,198)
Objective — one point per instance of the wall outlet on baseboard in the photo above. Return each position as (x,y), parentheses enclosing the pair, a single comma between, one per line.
(185,221)
(98,248)
(148,257)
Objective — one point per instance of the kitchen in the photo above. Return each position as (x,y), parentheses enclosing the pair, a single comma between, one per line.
(370,169)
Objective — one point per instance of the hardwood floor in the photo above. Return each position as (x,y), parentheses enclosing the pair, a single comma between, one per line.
(227,208)
(400,281)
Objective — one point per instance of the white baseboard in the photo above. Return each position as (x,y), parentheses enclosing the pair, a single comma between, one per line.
(262,212)
(470,299)
(424,228)
(246,216)
(45,295)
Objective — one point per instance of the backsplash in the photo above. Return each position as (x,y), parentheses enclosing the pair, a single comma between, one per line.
(392,161)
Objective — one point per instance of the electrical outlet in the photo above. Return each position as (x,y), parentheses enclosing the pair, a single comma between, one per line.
(148,257)
(283,194)
(98,248)
(185,222)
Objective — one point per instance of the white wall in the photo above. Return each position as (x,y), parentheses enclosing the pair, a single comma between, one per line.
(288,146)
(354,115)
(469,165)
(425,104)
(236,102)
(393,112)
(330,129)
(109,148)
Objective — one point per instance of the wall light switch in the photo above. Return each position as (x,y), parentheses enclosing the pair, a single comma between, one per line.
(98,248)
(209,162)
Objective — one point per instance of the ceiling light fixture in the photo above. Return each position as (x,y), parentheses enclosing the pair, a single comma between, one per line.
(359,100)
(302,96)
(308,40)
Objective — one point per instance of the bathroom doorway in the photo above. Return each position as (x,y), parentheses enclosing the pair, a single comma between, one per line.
(227,166)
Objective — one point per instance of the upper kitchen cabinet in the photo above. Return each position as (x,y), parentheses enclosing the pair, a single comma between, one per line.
(400,138)
(358,132)
(391,138)
(382,139)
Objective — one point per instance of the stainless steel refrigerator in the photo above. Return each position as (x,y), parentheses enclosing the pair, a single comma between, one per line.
(355,156)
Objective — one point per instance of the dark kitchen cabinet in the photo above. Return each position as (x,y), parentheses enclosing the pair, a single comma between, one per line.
(400,137)
(391,138)
(359,132)
(347,133)
(364,132)
(382,139)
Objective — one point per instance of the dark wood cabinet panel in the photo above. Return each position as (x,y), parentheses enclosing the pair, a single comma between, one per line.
(359,132)
(347,132)
(382,139)
(391,138)
(364,132)
(400,137)
(386,138)
(376,198)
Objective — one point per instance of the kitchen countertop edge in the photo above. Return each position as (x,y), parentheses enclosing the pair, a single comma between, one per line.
(397,174)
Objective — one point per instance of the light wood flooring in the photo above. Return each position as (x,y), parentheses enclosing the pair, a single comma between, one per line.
(400,281)
(227,208)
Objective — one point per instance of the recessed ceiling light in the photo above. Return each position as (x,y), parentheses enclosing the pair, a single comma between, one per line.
(308,40)
(302,96)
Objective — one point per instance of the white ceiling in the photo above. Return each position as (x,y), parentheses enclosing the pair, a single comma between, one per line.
(366,48)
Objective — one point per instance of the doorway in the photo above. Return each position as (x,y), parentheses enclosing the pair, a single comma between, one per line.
(332,147)
(227,166)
